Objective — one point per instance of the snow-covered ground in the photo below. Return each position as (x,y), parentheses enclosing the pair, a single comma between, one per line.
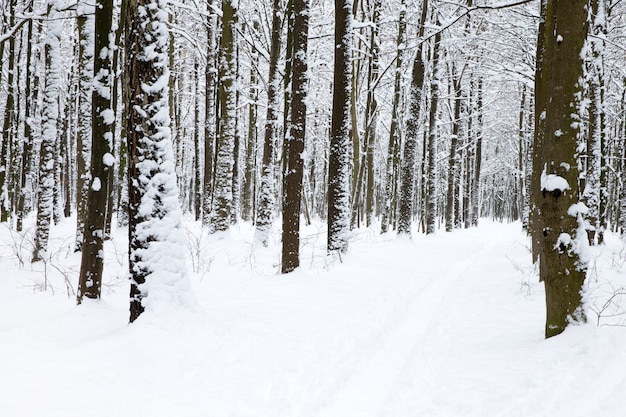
(448,325)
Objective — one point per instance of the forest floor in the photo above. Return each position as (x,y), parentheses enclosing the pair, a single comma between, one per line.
(447,325)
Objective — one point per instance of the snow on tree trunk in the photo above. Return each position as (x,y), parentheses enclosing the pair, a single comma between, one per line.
(9,131)
(85,23)
(394,134)
(267,187)
(210,114)
(221,210)
(156,239)
(563,258)
(27,145)
(339,155)
(102,160)
(50,115)
(431,210)
(407,176)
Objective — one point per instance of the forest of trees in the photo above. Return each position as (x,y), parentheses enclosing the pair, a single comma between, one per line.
(406,116)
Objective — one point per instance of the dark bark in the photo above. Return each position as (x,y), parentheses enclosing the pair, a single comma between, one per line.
(339,156)
(407,171)
(295,165)
(91,267)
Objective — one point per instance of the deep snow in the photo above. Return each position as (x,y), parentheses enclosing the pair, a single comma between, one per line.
(447,325)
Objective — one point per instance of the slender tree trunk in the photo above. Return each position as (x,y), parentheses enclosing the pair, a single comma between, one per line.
(210,114)
(267,187)
(27,146)
(371,115)
(9,127)
(394,134)
(339,156)
(250,174)
(407,176)
(102,160)
(223,192)
(50,114)
(451,200)
(541,101)
(85,23)
(476,198)
(197,183)
(431,210)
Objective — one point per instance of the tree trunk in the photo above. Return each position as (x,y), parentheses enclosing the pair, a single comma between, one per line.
(102,160)
(431,210)
(339,156)
(267,187)
(293,180)
(394,134)
(451,200)
(250,173)
(156,240)
(50,114)
(223,193)
(9,128)
(85,23)
(210,114)
(562,264)
(407,171)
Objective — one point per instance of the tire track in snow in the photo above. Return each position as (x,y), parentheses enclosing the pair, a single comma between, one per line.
(366,391)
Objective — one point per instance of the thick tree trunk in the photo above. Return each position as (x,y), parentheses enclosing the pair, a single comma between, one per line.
(562,264)
(156,240)
(293,180)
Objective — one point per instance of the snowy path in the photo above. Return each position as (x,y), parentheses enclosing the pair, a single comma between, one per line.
(367,391)
(449,325)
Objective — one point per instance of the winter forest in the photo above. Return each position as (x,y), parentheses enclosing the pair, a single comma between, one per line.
(308,208)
